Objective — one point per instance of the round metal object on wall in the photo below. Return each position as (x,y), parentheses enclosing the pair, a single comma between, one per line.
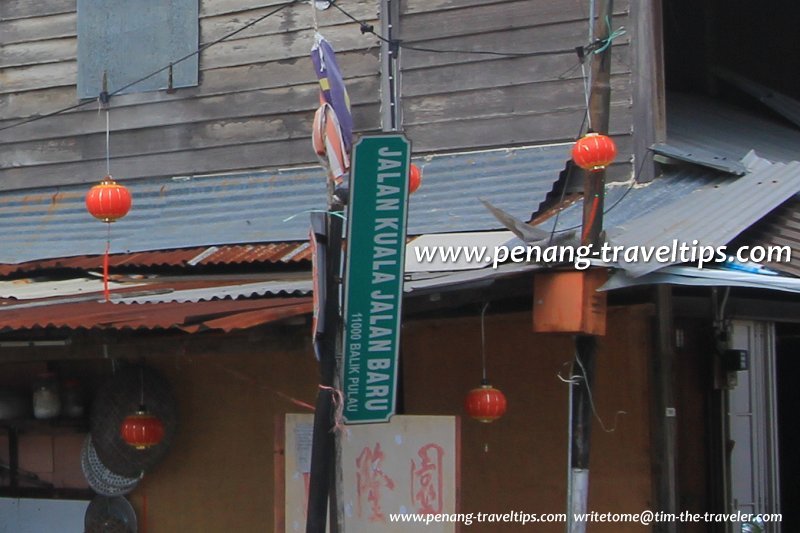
(102,480)
(121,396)
(110,515)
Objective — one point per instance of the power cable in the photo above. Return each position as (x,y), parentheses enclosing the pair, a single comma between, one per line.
(397,43)
(365,28)
(633,183)
(34,118)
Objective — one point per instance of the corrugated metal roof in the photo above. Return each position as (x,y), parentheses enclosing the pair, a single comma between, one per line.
(623,202)
(705,277)
(30,289)
(424,282)
(225,315)
(266,207)
(779,228)
(233,292)
(283,252)
(686,205)
(702,124)
(712,216)
(518,179)
(37,292)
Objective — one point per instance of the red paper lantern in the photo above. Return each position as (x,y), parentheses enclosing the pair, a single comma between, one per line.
(414,178)
(594,151)
(108,200)
(142,429)
(485,403)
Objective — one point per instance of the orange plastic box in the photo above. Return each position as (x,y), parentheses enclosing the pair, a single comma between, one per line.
(568,302)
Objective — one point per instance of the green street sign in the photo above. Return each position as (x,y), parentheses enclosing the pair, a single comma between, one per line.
(376,242)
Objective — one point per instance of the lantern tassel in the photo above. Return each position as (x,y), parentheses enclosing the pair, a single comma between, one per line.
(106,292)
(592,215)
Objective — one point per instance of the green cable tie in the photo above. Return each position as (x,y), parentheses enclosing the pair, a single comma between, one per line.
(612,35)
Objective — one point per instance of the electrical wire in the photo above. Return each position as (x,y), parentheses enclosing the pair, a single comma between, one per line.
(587,120)
(591,400)
(34,118)
(594,46)
(633,183)
(365,28)
(368,28)
(568,170)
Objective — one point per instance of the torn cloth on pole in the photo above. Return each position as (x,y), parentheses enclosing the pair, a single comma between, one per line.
(332,135)
(328,143)
(332,87)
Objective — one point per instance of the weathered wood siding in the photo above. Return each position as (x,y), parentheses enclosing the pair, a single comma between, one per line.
(252,109)
(254,105)
(453,101)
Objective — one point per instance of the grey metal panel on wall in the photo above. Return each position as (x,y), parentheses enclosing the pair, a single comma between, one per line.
(129,40)
(253,108)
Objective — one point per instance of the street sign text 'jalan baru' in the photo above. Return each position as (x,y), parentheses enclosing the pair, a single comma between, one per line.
(376,239)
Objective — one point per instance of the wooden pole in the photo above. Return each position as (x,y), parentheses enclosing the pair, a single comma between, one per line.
(586,345)
(663,412)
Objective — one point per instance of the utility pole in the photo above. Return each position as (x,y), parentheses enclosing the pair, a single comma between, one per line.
(583,367)
(322,482)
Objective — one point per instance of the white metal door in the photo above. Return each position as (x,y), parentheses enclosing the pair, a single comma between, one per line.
(752,425)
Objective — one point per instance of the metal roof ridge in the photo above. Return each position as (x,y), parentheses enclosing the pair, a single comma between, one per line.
(301,287)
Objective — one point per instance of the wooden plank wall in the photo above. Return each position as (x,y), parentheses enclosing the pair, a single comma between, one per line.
(254,105)
(453,101)
(252,110)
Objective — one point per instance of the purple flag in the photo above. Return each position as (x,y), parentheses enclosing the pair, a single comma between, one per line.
(332,86)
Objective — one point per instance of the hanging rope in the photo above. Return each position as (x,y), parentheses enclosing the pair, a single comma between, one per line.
(587,83)
(483,342)
(106,292)
(338,407)
(313,5)
(108,141)
(104,102)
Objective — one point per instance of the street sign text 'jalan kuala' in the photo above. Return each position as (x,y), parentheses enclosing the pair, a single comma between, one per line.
(376,238)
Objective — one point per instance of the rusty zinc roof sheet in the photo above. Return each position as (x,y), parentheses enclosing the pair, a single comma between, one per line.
(238,254)
(188,303)
(222,315)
